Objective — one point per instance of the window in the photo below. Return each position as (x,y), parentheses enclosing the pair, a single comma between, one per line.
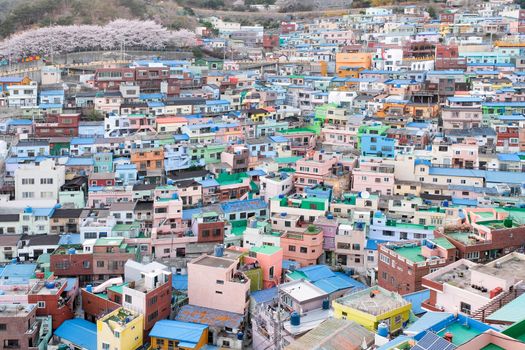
(28,194)
(100,263)
(291,248)
(105,346)
(153,300)
(219,282)
(465,308)
(41,304)
(384,258)
(3,326)
(90,235)
(28,181)
(46,181)
(128,299)
(356,246)
(304,250)
(12,344)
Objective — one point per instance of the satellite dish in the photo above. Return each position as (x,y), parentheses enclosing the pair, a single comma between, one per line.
(365,195)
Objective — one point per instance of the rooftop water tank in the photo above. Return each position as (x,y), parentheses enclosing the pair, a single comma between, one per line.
(295,319)
(382,330)
(89,288)
(71,251)
(219,250)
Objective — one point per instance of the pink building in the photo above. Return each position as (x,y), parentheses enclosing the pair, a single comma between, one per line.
(373,176)
(99,197)
(339,136)
(301,244)
(169,235)
(328,224)
(215,283)
(270,259)
(465,155)
(310,171)
(302,141)
(462,113)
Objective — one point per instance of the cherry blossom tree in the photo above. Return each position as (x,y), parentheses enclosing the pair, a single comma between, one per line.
(115,35)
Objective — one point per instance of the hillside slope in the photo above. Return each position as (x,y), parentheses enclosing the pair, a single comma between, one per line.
(18,15)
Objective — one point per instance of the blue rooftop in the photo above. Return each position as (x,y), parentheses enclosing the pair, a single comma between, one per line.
(71,238)
(71,283)
(417,299)
(19,122)
(14,274)
(265,295)
(208,183)
(506,157)
(464,99)
(155,104)
(79,332)
(187,214)
(49,105)
(79,161)
(51,92)
(490,176)
(187,334)
(243,205)
(371,244)
(82,141)
(179,282)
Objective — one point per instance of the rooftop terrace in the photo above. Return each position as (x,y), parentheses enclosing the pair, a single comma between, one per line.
(374,301)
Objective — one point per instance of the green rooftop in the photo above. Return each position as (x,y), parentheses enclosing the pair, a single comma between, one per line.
(394,223)
(498,224)
(492,346)
(442,242)
(298,130)
(286,160)
(238,227)
(410,252)
(110,241)
(462,333)
(225,179)
(117,289)
(433,210)
(266,249)
(313,203)
(126,227)
(511,312)
(516,331)
(461,237)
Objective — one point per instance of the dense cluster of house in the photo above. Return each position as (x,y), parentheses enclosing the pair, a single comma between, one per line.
(358,182)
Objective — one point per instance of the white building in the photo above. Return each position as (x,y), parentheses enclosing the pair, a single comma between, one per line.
(22,95)
(273,185)
(39,181)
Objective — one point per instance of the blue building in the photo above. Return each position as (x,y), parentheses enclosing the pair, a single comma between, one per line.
(373,141)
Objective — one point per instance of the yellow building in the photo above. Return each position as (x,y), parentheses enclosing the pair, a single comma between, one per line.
(167,334)
(372,306)
(121,329)
(350,64)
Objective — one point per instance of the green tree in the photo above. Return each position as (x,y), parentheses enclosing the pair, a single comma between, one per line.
(432,12)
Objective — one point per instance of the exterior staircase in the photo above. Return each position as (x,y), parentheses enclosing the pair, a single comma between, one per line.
(497,303)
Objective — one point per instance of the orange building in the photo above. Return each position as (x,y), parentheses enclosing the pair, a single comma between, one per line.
(148,159)
(350,64)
